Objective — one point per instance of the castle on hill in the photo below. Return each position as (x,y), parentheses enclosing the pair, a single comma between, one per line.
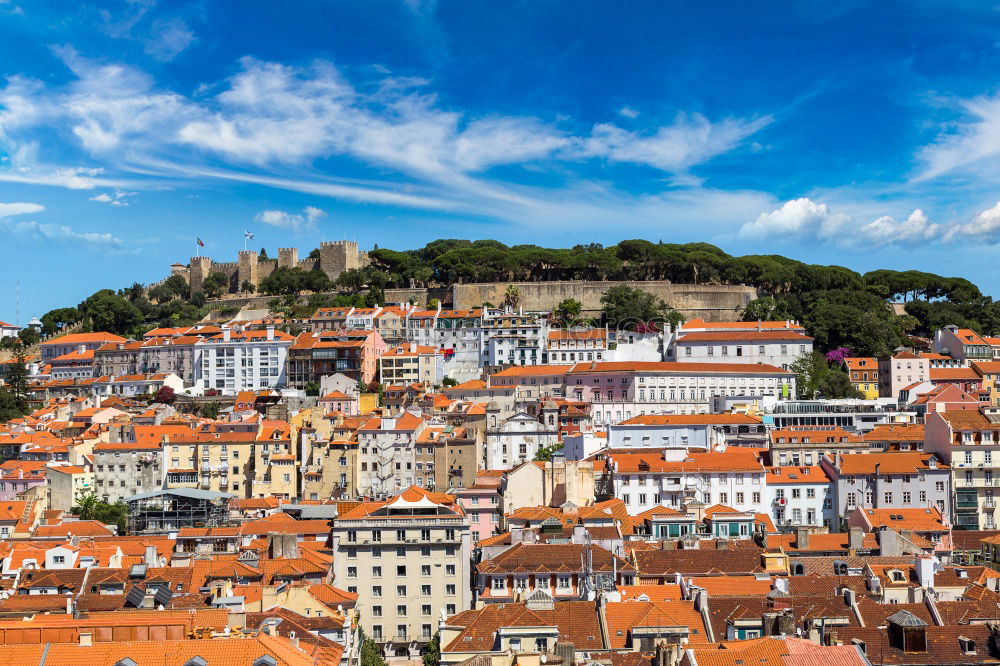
(335,257)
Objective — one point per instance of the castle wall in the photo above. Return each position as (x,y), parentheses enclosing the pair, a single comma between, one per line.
(710,302)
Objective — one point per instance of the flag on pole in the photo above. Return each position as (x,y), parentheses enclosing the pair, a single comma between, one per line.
(247,235)
(200,243)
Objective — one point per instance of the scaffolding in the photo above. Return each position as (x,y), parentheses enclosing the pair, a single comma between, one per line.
(162,511)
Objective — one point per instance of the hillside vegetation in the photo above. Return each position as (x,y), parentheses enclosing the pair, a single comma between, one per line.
(840,307)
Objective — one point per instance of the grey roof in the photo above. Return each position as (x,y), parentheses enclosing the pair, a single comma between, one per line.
(905,618)
(192,493)
(311,511)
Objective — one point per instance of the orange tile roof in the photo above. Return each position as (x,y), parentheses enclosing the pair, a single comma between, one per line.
(950,374)
(792,474)
(732,586)
(624,616)
(733,459)
(861,363)
(750,336)
(895,432)
(671,592)
(591,334)
(918,520)
(83,338)
(677,366)
(896,462)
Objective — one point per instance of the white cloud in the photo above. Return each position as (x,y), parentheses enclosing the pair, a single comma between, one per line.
(885,230)
(306,221)
(168,38)
(50,232)
(119,198)
(62,234)
(798,217)
(272,124)
(974,140)
(628,112)
(806,219)
(11,209)
(691,140)
(984,227)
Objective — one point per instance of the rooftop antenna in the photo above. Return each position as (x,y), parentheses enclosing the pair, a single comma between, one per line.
(17,321)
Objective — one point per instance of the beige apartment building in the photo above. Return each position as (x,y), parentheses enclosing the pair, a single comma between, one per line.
(411,363)
(66,484)
(276,469)
(408,561)
(217,461)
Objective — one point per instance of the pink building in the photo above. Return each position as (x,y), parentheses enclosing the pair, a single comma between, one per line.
(335,401)
(481,503)
(18,476)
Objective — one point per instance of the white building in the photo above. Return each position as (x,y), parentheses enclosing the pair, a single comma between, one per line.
(8,330)
(671,477)
(777,348)
(618,391)
(515,440)
(800,497)
(568,347)
(458,333)
(685,431)
(387,453)
(241,360)
(514,338)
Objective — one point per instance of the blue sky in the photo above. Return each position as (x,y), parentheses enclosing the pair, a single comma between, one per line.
(867,134)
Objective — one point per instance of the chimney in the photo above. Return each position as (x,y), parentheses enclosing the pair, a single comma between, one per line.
(567,651)
(151,559)
(275,545)
(86,639)
(925,571)
(802,538)
(289,547)
(849,596)
(270,331)
(855,538)
(226,334)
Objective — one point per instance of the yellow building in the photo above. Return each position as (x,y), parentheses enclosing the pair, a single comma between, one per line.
(863,372)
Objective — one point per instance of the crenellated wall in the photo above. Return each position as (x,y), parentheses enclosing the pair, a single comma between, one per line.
(335,258)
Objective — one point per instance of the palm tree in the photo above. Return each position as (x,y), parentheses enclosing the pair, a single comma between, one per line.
(511,297)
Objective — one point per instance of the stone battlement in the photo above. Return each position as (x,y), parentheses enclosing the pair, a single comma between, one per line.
(335,257)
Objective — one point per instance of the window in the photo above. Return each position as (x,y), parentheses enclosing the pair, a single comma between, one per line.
(401,610)
(425,570)
(906,498)
(563,582)
(887,497)
(401,570)
(796,493)
(810,493)
(449,569)
(376,590)
(939,486)
(376,611)
(425,590)
(352,572)
(376,572)
(756,498)
(425,609)
(400,590)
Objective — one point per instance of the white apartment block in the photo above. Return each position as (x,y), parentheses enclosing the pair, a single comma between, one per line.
(248,360)
(800,497)
(672,477)
(777,348)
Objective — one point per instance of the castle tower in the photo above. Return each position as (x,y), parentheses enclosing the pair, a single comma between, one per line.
(200,268)
(288,257)
(246,269)
(335,257)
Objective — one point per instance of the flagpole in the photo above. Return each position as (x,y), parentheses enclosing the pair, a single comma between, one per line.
(197,248)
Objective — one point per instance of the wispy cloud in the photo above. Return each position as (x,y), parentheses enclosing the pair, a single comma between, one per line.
(433,158)
(11,209)
(51,232)
(296,222)
(983,228)
(971,141)
(168,38)
(119,198)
